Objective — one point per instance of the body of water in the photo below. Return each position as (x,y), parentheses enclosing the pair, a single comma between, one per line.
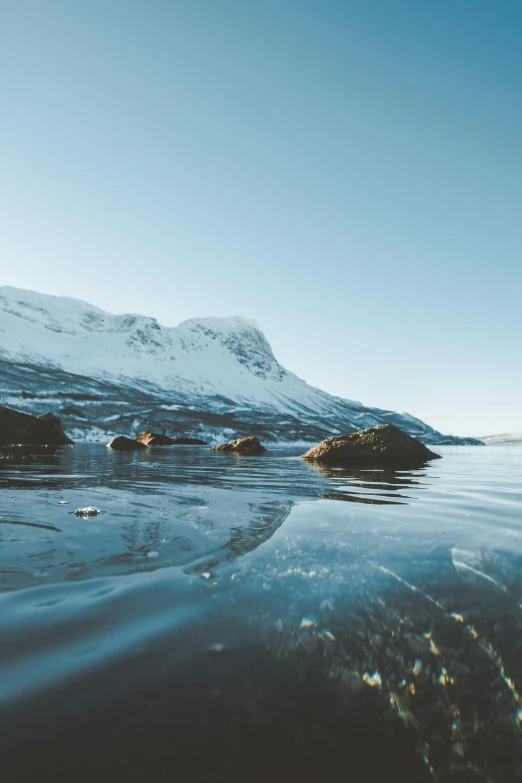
(259,618)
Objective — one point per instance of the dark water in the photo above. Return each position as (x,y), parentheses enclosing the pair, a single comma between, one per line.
(248,619)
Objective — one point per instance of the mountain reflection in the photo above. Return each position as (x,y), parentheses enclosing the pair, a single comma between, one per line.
(220,544)
(161,507)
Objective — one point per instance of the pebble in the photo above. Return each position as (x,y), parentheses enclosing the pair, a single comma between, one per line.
(373,680)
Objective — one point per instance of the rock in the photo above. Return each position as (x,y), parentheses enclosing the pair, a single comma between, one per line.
(382,446)
(21,429)
(155,439)
(122,443)
(249,446)
(189,442)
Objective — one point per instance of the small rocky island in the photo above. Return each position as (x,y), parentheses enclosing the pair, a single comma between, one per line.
(248,446)
(157,439)
(382,446)
(22,429)
(146,439)
(123,443)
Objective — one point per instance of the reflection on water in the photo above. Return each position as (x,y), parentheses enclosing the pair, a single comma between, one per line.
(368,486)
(160,508)
(229,619)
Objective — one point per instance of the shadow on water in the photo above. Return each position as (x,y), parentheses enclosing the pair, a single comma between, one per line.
(379,639)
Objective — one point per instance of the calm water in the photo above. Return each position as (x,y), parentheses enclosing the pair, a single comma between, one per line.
(248,619)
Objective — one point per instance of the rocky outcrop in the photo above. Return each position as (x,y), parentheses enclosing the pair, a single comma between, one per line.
(382,446)
(189,442)
(156,439)
(122,443)
(153,439)
(21,429)
(248,446)
(505,439)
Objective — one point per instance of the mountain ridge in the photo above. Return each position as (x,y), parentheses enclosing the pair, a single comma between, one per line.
(211,376)
(503,439)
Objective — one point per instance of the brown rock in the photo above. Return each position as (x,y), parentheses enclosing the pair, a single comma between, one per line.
(22,429)
(382,446)
(122,443)
(189,442)
(248,446)
(155,439)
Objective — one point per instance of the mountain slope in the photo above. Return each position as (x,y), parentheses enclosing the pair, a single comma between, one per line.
(105,373)
(504,439)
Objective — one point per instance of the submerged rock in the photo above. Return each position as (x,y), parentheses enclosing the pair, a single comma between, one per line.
(156,439)
(250,446)
(22,429)
(122,443)
(382,446)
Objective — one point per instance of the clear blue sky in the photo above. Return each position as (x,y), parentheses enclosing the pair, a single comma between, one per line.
(347,173)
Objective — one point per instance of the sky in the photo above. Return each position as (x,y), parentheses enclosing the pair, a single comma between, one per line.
(348,174)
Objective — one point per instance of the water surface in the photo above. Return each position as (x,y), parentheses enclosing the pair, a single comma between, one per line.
(261,617)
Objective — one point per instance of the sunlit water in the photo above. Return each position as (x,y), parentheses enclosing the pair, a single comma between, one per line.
(259,618)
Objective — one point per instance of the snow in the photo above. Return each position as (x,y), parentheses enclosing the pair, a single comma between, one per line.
(504,439)
(204,364)
(91,435)
(227,357)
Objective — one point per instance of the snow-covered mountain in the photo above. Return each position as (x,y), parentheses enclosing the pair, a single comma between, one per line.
(105,374)
(504,439)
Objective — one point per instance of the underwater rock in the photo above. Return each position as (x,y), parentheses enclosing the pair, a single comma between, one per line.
(21,429)
(385,446)
(248,446)
(122,443)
